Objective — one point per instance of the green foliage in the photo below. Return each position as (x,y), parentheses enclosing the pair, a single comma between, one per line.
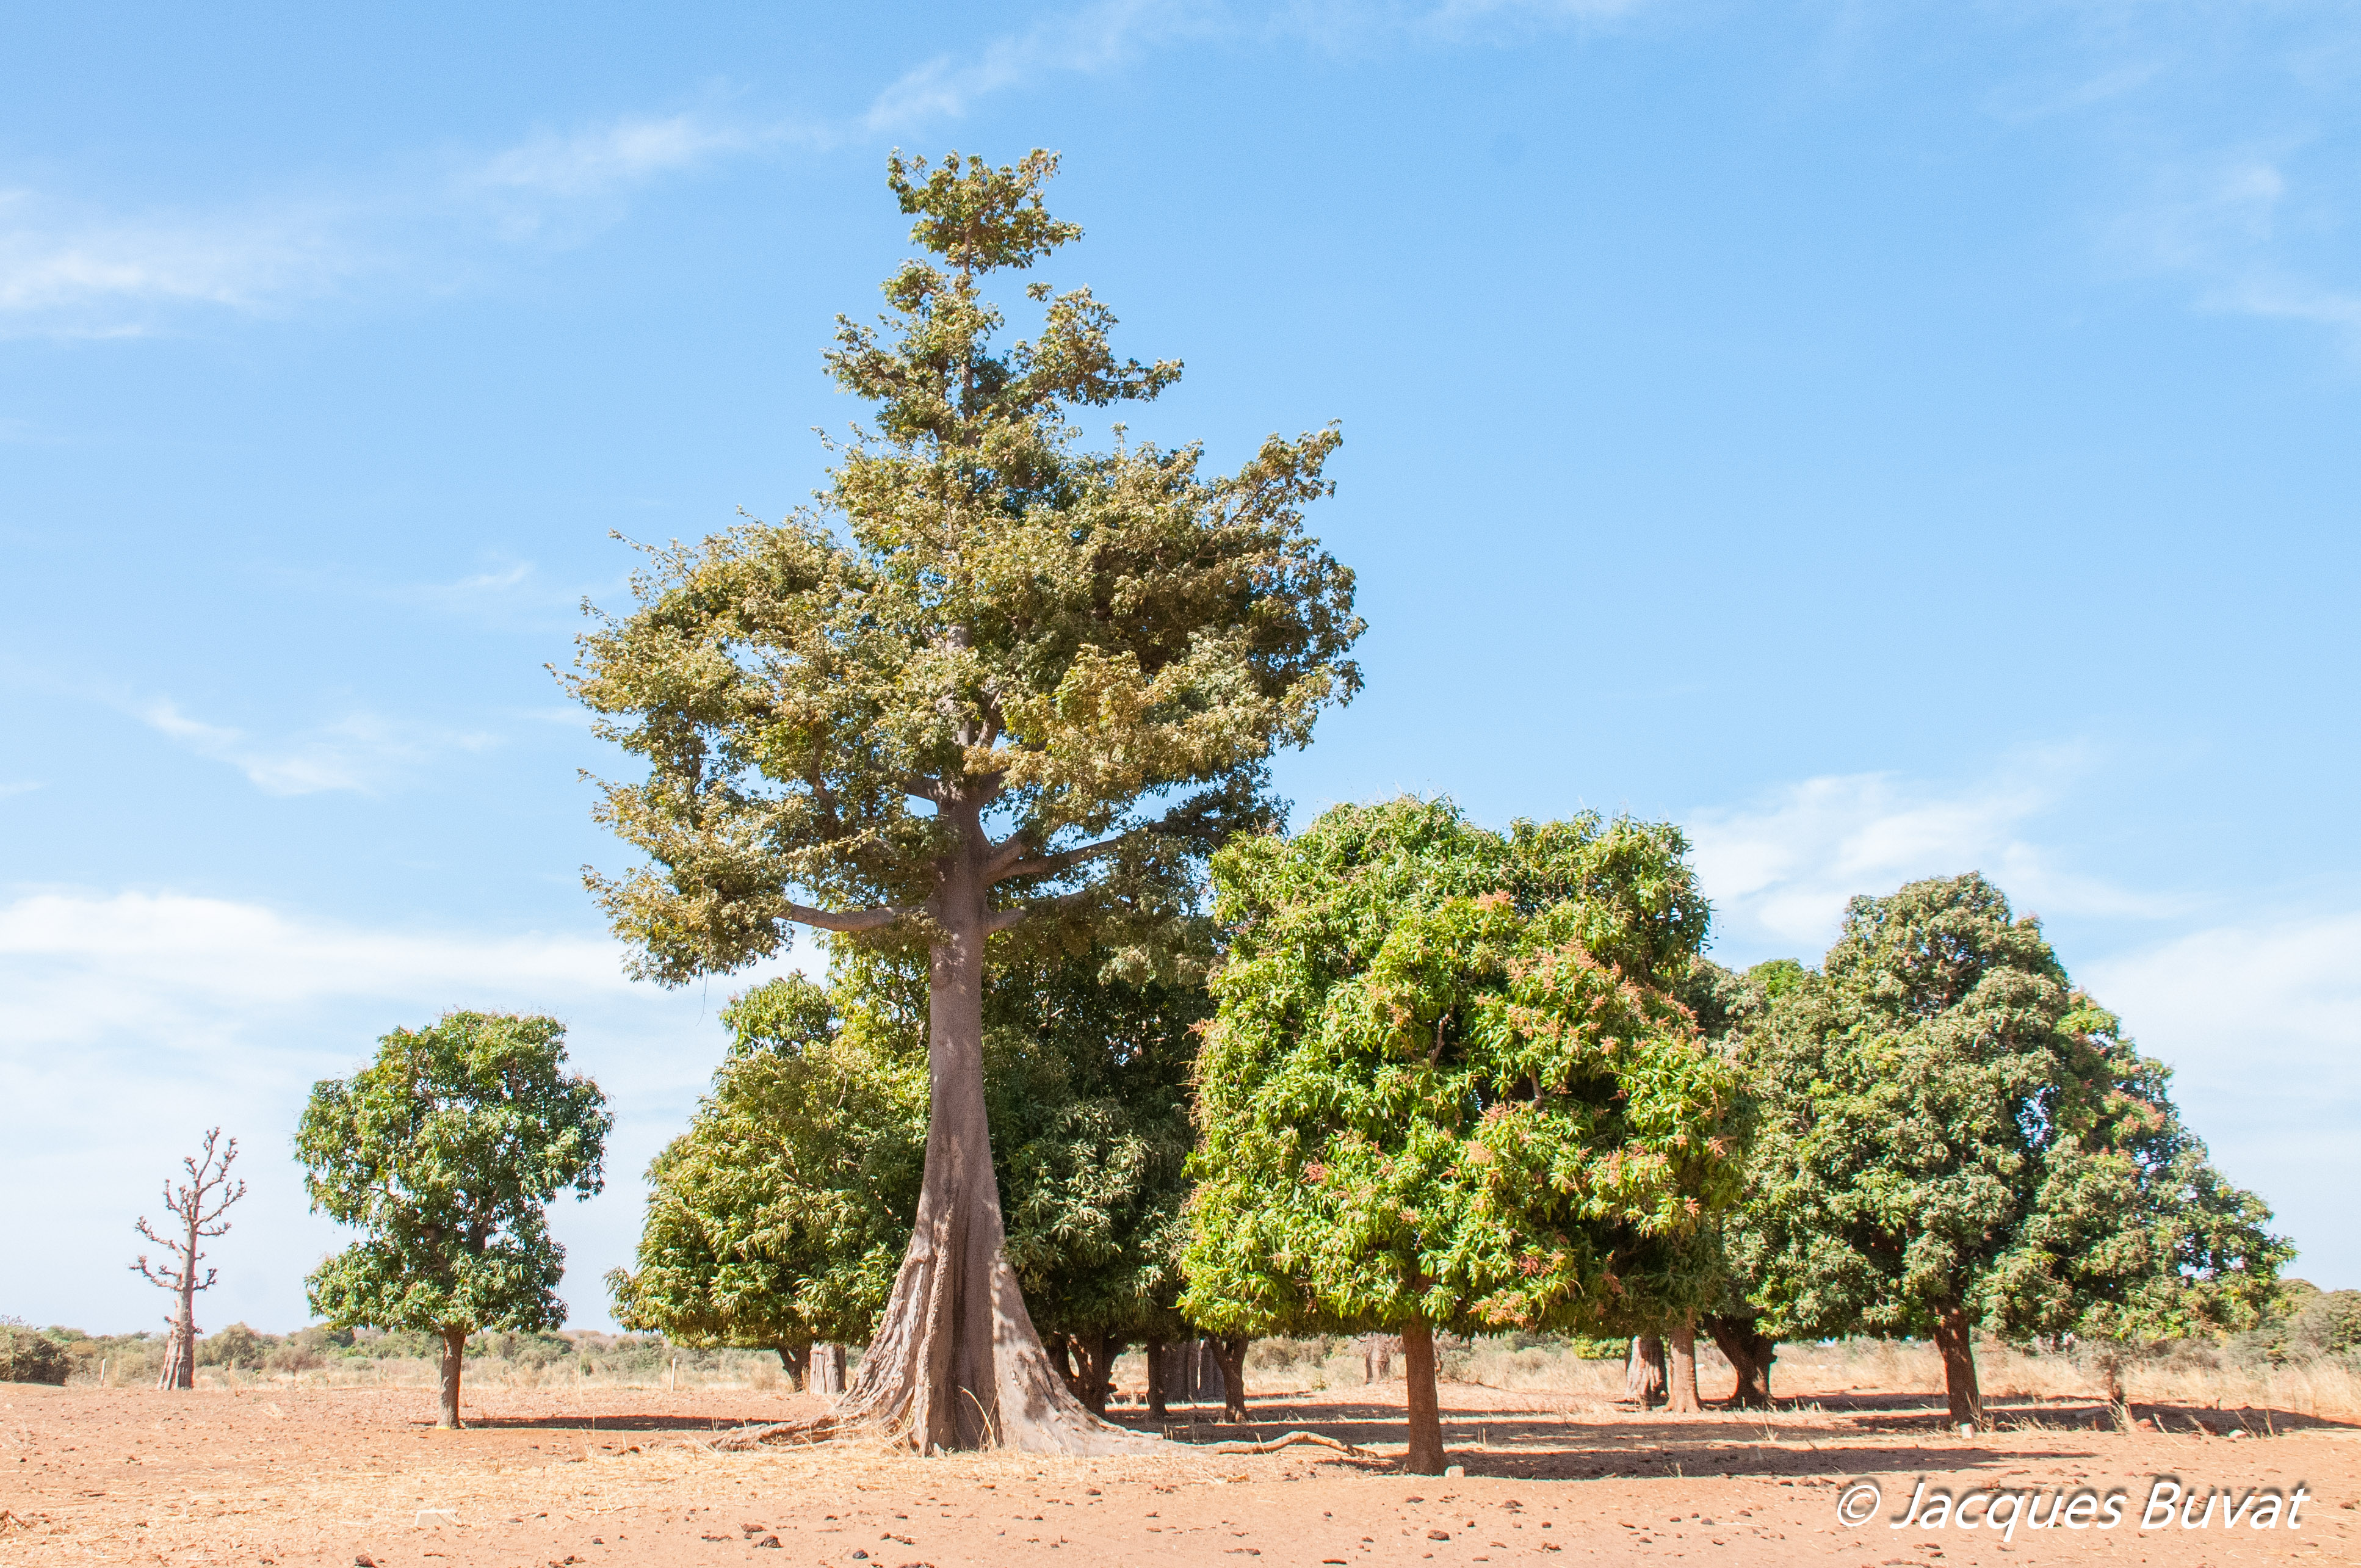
(982,615)
(236,1345)
(444,1152)
(781,1216)
(27,1355)
(1948,1124)
(1448,1080)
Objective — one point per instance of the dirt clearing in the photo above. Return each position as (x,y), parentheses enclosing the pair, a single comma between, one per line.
(347,1476)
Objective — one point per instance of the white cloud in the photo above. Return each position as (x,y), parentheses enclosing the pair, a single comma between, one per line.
(1780,872)
(361,751)
(134,1020)
(602,158)
(1092,39)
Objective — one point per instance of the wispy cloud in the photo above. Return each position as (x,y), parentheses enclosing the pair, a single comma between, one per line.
(362,752)
(8,790)
(1781,869)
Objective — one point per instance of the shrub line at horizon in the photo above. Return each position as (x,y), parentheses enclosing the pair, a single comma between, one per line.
(1447,1086)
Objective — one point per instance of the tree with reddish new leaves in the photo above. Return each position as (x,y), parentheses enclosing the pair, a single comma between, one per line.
(197,1207)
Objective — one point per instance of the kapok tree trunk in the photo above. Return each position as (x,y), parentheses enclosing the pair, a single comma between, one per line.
(956,1363)
(455,1347)
(1230,1354)
(796,1361)
(1644,1374)
(1681,1395)
(1156,1391)
(826,1363)
(182,1358)
(1749,1351)
(1425,1456)
(1955,1338)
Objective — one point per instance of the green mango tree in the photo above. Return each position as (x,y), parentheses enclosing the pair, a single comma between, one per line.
(1956,1140)
(1447,1086)
(446,1152)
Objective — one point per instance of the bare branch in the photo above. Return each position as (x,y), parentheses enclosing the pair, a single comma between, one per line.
(1003,919)
(1021,868)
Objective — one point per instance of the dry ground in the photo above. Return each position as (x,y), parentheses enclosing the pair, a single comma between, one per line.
(353,1475)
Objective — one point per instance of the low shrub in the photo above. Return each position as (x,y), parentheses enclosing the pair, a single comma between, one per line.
(27,1355)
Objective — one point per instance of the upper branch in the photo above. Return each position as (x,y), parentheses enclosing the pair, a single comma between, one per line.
(847,919)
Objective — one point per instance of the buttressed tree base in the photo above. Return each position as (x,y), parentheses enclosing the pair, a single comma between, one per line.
(997,685)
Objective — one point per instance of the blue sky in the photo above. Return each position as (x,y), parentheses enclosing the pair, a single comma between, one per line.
(1892,441)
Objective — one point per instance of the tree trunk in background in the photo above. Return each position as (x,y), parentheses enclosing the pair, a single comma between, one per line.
(1956,1339)
(1644,1375)
(1749,1351)
(181,1355)
(2119,1403)
(455,1349)
(1425,1456)
(1095,1376)
(1231,1353)
(1156,1380)
(1681,1395)
(827,1369)
(795,1359)
(1377,1356)
(956,1363)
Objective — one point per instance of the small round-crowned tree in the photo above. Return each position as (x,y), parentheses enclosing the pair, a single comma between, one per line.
(1447,1086)
(444,1152)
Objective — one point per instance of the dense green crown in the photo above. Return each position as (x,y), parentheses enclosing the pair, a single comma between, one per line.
(1099,650)
(1949,1123)
(1447,1078)
(445,1153)
(782,1214)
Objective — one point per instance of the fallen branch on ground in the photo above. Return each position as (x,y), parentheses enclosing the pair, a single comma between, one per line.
(817,1429)
(1275,1444)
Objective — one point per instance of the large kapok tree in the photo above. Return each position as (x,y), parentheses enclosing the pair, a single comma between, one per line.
(996,684)
(1448,1089)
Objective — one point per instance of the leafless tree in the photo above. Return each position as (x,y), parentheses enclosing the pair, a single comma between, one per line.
(196,1207)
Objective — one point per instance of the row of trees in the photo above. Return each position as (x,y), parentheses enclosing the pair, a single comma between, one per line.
(993,710)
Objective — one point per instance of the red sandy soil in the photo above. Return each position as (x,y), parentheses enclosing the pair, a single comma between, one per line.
(356,1477)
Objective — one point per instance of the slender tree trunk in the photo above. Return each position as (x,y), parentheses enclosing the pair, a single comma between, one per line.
(1751,1352)
(1425,1456)
(1956,1339)
(2119,1404)
(1644,1376)
(184,1328)
(455,1346)
(1682,1396)
(956,1363)
(1155,1356)
(1230,1354)
(796,1360)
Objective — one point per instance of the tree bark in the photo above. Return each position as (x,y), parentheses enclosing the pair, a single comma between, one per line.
(956,1363)
(455,1346)
(795,1359)
(1749,1351)
(1644,1375)
(1681,1397)
(826,1363)
(1956,1339)
(1156,1380)
(2119,1404)
(1230,1353)
(1096,1370)
(1425,1456)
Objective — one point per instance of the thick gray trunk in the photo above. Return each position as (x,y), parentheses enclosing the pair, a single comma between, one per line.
(956,1363)
(455,1348)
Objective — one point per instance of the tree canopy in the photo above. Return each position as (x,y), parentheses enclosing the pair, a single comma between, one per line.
(1448,1087)
(994,681)
(444,1152)
(1956,1138)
